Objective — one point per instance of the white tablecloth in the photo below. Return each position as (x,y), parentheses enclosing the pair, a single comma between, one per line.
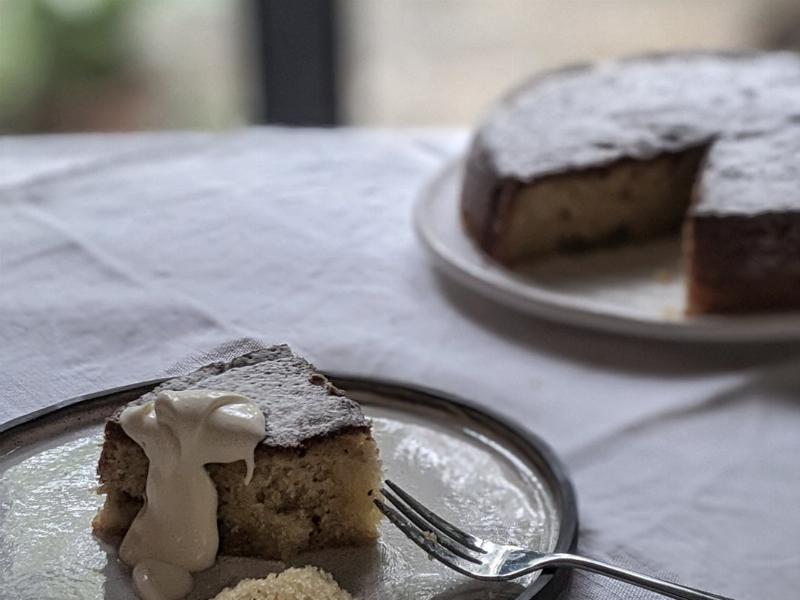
(123,256)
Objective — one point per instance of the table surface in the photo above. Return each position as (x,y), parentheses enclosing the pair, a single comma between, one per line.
(125,257)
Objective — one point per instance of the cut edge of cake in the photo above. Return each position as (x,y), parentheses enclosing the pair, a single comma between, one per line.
(565,215)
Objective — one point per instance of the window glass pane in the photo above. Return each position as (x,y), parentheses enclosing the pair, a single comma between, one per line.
(423,62)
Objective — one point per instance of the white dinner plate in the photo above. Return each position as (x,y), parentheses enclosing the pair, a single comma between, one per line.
(637,289)
(483,472)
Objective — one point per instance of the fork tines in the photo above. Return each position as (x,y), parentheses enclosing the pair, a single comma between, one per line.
(439,538)
(490,561)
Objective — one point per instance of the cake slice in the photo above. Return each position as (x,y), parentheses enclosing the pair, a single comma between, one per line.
(316,469)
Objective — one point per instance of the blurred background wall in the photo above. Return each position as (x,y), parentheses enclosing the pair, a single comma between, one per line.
(100,65)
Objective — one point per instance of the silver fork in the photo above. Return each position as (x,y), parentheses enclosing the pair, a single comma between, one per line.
(486,560)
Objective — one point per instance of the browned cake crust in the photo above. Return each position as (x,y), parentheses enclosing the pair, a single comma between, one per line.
(742,240)
(741,264)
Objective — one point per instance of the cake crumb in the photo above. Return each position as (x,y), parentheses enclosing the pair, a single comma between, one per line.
(670,313)
(317,379)
(665,276)
(431,537)
(333,390)
(307,583)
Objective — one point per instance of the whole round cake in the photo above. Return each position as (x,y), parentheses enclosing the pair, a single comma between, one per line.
(595,155)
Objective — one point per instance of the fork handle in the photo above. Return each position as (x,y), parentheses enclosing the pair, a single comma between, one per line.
(665,588)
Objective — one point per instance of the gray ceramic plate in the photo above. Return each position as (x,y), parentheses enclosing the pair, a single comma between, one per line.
(498,480)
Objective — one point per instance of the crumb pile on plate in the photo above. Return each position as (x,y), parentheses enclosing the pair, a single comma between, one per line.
(308,583)
(636,148)
(315,470)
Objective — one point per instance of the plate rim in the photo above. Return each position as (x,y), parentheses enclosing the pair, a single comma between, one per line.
(563,308)
(548,586)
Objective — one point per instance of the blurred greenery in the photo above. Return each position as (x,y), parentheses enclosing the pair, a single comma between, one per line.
(49,47)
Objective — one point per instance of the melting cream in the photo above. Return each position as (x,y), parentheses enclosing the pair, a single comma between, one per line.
(155,580)
(181,432)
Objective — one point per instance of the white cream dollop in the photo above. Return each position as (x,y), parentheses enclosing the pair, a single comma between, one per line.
(180,432)
(155,580)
